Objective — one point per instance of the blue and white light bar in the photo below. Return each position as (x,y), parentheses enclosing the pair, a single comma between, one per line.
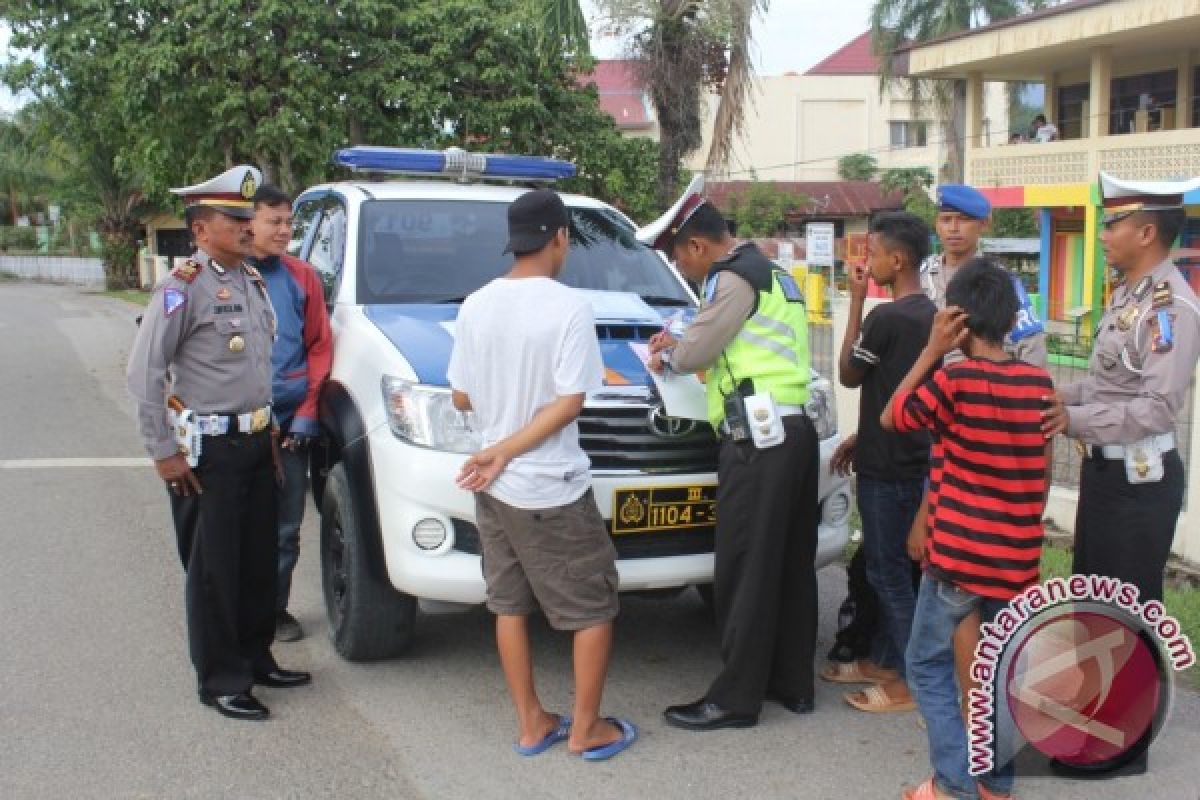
(454,162)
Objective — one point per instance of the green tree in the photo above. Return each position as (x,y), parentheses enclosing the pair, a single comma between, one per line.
(897,22)
(188,92)
(684,47)
(761,209)
(1014,223)
(913,183)
(857,167)
(24,173)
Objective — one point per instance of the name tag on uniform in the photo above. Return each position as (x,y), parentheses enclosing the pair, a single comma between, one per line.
(228,309)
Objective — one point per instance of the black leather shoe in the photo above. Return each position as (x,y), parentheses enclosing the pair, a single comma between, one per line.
(705,716)
(235,706)
(795,705)
(279,678)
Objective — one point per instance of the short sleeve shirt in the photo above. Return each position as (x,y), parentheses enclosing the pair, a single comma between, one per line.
(892,338)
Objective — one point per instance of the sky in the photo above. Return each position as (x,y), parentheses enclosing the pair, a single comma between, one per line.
(793,35)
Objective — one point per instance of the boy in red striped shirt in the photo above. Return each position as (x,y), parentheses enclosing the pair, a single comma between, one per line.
(987,490)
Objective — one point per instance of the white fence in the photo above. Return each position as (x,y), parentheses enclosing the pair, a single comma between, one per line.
(87,272)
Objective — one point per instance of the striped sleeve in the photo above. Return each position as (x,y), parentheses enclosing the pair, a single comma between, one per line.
(928,407)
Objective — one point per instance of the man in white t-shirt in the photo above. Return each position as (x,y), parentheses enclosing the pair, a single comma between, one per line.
(525,356)
(1044,131)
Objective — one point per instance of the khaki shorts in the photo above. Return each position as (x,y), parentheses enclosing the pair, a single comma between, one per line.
(560,559)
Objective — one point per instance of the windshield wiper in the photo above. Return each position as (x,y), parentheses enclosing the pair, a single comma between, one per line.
(663,300)
(449,300)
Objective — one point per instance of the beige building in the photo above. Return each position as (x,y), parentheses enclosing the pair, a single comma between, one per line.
(800,125)
(1120,79)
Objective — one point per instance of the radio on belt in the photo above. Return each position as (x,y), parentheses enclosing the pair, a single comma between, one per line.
(766,426)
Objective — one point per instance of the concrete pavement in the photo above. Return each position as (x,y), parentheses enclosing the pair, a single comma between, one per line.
(97,695)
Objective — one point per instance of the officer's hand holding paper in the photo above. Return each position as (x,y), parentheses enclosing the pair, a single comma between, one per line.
(682,395)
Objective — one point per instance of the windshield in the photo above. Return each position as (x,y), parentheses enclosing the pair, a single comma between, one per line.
(439,251)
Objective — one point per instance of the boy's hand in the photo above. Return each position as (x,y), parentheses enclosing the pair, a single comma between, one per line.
(1054,416)
(856,279)
(482,469)
(842,462)
(949,332)
(916,541)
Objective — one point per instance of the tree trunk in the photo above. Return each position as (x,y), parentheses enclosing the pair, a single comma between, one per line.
(956,124)
(118,242)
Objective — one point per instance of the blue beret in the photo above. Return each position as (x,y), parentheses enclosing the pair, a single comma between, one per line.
(964,199)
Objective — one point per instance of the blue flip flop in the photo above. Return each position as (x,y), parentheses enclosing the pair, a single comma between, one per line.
(629,734)
(549,740)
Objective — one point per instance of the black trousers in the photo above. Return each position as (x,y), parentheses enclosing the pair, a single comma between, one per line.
(764,583)
(1124,530)
(228,542)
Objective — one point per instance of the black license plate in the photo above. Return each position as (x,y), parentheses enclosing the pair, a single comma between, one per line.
(663,509)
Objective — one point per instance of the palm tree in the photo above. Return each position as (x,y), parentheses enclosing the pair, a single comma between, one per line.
(896,22)
(683,47)
(562,23)
(23,174)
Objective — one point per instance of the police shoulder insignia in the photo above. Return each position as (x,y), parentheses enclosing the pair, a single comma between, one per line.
(187,271)
(1163,296)
(173,300)
(1161,327)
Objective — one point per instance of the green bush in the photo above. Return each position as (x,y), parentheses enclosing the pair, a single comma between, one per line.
(18,239)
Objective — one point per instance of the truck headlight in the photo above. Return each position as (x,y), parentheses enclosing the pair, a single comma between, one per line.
(425,416)
(821,408)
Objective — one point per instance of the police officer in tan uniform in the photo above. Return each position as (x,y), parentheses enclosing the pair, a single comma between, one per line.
(200,371)
(1124,413)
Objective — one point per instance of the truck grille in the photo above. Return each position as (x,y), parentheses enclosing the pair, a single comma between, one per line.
(621,438)
(684,542)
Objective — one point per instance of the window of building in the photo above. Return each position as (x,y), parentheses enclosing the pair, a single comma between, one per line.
(1143,103)
(908,133)
(1072,102)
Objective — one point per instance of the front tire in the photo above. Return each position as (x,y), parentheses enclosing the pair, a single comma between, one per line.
(368,618)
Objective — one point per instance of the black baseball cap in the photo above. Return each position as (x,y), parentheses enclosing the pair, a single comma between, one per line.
(533,219)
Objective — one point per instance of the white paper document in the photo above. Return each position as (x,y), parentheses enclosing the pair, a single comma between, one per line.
(682,395)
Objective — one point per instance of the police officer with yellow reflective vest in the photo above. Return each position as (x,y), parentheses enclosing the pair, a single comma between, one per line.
(750,339)
(1124,413)
(200,371)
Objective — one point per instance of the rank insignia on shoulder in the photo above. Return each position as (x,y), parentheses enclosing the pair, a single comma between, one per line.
(1164,335)
(173,300)
(187,271)
(1163,296)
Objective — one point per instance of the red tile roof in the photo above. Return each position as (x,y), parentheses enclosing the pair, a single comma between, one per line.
(621,93)
(854,58)
(829,198)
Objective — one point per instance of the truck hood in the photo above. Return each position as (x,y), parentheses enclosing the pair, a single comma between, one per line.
(424,334)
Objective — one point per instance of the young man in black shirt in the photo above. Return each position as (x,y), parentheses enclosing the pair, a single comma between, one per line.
(876,355)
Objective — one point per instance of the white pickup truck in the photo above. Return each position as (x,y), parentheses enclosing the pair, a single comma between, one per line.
(397,255)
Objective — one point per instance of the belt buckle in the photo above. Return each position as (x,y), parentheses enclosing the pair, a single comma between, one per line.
(259,419)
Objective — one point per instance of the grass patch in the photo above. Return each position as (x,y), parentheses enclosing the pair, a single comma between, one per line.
(1183,604)
(135,296)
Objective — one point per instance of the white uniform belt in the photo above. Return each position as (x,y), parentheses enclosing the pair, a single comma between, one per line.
(1116,452)
(220,424)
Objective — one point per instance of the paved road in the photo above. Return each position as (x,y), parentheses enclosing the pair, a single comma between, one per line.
(97,696)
